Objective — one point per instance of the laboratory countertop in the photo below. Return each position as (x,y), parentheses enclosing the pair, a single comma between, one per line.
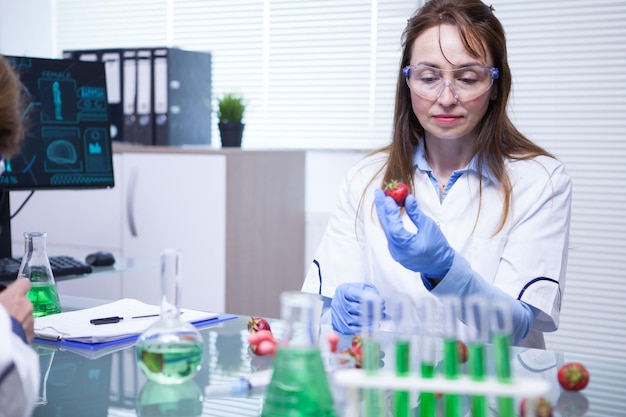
(78,382)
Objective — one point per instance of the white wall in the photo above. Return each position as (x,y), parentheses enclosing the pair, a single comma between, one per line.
(324,172)
(27,28)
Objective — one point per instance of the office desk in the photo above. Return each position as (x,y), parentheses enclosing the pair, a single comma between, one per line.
(112,385)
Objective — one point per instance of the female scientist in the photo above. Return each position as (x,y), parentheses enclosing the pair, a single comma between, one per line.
(489,211)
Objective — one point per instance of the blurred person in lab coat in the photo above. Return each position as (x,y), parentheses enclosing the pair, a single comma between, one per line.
(19,364)
(488,212)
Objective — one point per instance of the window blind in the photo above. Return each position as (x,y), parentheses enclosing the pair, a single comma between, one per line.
(568,60)
(313,73)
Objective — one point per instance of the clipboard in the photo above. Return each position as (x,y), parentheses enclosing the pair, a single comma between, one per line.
(136,317)
(98,350)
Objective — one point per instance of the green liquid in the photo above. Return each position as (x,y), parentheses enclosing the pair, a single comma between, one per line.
(477,371)
(45,299)
(501,347)
(299,385)
(374,400)
(170,363)
(427,399)
(452,402)
(428,370)
(401,398)
(451,358)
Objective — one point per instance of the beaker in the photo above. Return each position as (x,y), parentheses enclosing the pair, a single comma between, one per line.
(171,350)
(299,386)
(35,266)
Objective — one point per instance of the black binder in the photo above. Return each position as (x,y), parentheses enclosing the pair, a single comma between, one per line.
(142,132)
(182,97)
(158,96)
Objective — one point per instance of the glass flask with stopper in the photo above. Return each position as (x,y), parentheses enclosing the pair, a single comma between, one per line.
(171,350)
(35,266)
(299,386)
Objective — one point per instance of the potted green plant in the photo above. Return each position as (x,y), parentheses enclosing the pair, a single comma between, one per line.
(230,115)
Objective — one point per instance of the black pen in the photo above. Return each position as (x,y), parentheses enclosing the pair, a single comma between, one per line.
(106,320)
(117,319)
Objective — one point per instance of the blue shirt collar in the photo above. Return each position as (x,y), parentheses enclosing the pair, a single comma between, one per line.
(420,162)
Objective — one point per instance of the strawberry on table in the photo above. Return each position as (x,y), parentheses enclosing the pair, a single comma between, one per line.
(573,376)
(262,342)
(543,408)
(462,351)
(357,355)
(257,323)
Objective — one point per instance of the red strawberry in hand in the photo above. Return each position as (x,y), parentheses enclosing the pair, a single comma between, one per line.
(258,323)
(573,376)
(397,190)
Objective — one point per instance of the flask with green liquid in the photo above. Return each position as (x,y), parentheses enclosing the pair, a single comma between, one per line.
(171,350)
(35,266)
(299,386)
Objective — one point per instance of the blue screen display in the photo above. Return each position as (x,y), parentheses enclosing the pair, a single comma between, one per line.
(67,144)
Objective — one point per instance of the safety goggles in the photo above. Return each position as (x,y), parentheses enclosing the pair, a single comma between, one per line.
(466,83)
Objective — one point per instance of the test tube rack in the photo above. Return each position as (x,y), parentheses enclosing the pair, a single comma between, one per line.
(355,379)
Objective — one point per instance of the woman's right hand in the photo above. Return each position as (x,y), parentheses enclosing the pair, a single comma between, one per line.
(346,306)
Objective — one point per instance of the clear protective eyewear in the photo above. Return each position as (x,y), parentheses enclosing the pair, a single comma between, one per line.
(466,83)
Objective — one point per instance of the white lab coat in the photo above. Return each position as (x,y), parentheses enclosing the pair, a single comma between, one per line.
(19,372)
(527,259)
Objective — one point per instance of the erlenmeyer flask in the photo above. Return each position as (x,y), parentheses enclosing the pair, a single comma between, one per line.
(36,267)
(171,350)
(299,386)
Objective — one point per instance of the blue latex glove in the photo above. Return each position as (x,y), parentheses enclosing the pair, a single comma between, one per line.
(426,251)
(345,307)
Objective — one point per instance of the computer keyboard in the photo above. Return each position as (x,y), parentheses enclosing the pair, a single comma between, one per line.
(62,265)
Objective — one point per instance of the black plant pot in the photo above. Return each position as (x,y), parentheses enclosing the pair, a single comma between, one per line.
(231,133)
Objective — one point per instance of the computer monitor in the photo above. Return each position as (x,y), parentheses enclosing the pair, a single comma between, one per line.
(67,143)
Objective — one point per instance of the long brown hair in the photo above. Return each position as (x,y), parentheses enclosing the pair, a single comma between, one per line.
(497,138)
(12,104)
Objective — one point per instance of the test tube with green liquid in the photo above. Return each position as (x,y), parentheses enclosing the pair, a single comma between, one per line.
(428,310)
(477,320)
(501,330)
(451,313)
(403,328)
(371,315)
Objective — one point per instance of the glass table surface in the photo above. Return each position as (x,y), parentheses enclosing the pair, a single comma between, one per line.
(80,382)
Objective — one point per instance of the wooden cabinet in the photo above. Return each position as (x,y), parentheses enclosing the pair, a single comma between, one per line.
(237,216)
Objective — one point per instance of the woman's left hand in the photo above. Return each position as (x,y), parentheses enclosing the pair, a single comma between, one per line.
(426,251)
